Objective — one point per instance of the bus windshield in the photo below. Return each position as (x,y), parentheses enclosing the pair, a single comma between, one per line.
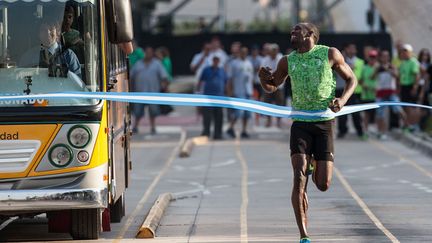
(48,46)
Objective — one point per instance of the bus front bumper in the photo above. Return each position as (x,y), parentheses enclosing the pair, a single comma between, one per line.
(52,199)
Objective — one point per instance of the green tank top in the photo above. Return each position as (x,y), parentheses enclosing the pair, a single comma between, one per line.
(312,81)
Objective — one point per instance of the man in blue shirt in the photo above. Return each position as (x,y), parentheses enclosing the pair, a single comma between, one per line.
(53,56)
(214,80)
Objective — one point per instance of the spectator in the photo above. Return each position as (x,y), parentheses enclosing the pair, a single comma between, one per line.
(240,85)
(200,61)
(256,59)
(162,53)
(424,59)
(147,75)
(386,90)
(217,49)
(277,97)
(409,79)
(136,55)
(356,65)
(213,82)
(396,61)
(368,83)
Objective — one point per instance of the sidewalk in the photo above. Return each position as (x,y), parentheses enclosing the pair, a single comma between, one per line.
(419,141)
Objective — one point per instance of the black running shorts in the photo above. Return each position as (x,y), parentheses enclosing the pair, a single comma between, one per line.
(313,138)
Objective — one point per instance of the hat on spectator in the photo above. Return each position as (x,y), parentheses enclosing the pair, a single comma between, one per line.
(373,53)
(407,47)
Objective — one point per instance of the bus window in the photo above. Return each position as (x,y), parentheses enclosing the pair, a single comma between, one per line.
(60,52)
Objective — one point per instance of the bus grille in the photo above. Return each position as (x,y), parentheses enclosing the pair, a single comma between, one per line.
(16,155)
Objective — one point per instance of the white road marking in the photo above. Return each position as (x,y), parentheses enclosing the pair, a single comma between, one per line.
(178,168)
(274,180)
(402,158)
(365,208)
(221,186)
(193,191)
(244,193)
(198,167)
(251,183)
(226,163)
(403,181)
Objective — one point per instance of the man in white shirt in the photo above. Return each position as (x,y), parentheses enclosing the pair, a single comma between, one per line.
(277,97)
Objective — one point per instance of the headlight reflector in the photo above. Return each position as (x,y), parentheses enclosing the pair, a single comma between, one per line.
(60,155)
(83,156)
(79,136)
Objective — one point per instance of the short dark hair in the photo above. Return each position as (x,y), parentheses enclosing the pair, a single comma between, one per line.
(312,28)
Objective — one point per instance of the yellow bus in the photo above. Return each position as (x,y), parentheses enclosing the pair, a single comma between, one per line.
(68,158)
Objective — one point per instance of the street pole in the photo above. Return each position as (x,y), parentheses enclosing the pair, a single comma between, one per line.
(222,15)
(297,9)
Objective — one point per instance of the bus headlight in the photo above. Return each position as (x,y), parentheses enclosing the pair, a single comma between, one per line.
(83,156)
(60,155)
(79,136)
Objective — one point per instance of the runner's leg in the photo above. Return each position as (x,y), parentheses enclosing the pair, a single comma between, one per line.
(298,196)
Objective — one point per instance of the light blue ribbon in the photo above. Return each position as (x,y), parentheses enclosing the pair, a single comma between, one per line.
(209,100)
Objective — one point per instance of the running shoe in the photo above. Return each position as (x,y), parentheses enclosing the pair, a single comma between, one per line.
(305,240)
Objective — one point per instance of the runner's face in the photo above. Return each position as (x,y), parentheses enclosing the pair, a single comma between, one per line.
(297,36)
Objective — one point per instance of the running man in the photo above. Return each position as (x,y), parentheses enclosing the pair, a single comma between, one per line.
(310,68)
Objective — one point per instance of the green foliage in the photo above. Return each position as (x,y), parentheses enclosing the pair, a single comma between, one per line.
(257,25)
(261,25)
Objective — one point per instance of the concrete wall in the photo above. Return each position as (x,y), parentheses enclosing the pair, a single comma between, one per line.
(409,21)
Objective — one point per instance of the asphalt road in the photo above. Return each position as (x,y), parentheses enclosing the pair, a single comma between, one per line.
(239,191)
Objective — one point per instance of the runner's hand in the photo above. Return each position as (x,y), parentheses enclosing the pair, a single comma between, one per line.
(265,74)
(336,104)
(267,79)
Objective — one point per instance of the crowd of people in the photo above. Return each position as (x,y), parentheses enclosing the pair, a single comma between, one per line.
(405,78)
(235,75)
(384,75)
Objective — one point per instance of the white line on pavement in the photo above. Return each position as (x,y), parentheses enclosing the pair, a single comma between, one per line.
(245,197)
(396,154)
(365,208)
(226,163)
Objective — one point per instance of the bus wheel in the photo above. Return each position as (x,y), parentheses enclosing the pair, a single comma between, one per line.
(118,209)
(86,224)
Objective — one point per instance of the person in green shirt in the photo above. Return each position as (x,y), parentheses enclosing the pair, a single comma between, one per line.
(164,56)
(136,55)
(410,90)
(368,84)
(310,69)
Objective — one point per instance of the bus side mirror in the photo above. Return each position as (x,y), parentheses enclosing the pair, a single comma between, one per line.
(119,21)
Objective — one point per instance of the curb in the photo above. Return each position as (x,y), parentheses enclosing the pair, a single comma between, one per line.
(417,142)
(151,222)
(186,148)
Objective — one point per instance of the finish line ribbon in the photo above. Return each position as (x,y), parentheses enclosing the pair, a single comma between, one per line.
(209,101)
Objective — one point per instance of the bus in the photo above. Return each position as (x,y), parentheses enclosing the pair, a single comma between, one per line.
(67,158)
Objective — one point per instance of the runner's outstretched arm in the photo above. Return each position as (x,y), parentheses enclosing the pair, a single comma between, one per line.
(270,81)
(338,64)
